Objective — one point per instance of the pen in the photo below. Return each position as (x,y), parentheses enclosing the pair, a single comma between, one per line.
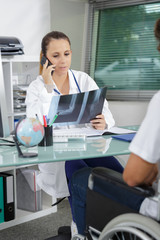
(54,119)
(44,120)
(48,121)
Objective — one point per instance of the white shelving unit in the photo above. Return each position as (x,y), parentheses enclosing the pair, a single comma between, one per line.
(20,71)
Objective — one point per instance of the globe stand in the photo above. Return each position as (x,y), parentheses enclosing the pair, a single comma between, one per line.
(23,155)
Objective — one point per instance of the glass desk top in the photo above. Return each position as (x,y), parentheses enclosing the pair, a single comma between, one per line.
(92,147)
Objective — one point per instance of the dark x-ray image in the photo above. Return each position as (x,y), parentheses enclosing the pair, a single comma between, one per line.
(77,108)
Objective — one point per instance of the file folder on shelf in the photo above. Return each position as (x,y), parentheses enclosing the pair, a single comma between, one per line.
(1,201)
(28,192)
(8,191)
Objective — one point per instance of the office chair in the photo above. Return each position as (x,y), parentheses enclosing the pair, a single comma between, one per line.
(115,219)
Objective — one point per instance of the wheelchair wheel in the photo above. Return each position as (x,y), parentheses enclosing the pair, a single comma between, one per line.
(131,226)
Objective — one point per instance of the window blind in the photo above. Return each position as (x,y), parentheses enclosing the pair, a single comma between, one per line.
(122,53)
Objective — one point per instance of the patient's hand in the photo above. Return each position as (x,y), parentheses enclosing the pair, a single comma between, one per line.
(99,122)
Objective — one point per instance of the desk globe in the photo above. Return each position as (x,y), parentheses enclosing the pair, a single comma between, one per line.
(29,132)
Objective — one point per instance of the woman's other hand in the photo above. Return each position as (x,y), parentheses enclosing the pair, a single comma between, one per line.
(99,122)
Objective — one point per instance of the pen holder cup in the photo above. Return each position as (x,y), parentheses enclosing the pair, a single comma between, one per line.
(48,138)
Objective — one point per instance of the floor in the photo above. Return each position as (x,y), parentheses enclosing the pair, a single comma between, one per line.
(42,228)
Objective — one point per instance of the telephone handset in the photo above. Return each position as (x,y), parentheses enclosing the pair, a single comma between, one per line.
(43,60)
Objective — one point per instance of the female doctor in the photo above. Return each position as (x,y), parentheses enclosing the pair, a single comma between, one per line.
(56,78)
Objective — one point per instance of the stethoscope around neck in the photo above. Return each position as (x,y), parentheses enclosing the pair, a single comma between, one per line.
(75,82)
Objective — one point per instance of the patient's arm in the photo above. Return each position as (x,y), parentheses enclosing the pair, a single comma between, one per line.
(139,171)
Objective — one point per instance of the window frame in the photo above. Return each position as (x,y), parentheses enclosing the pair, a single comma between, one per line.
(94,7)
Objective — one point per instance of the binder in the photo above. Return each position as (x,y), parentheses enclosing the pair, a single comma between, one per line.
(1,201)
(125,137)
(8,196)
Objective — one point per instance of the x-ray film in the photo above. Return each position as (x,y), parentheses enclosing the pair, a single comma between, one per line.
(76,108)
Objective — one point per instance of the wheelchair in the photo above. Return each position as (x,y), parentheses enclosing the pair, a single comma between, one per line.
(110,219)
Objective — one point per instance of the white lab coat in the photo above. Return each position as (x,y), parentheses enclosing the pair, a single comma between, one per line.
(52,177)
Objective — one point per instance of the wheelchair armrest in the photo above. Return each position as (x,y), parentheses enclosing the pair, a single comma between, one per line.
(114,177)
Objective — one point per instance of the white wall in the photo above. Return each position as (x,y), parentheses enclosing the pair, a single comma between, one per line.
(29,20)
(69,16)
(128,113)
